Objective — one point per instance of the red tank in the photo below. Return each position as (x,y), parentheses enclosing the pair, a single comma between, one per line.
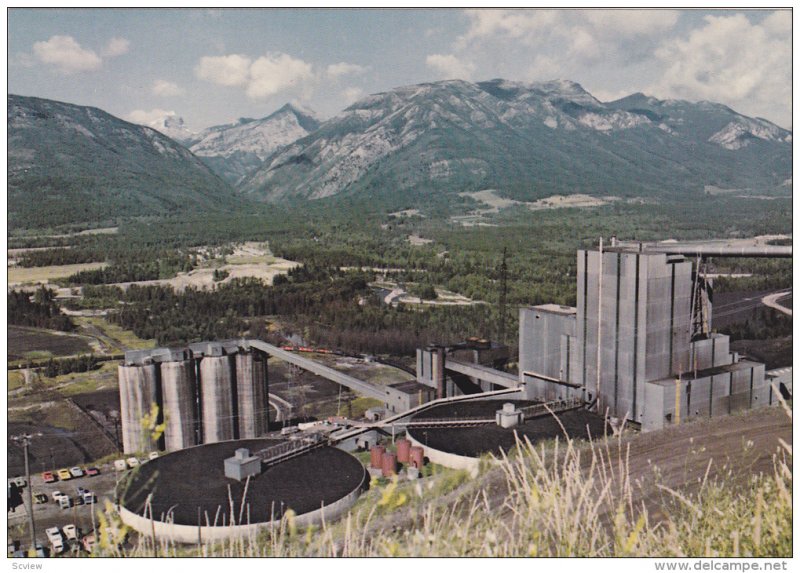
(403,450)
(375,456)
(389,462)
(417,456)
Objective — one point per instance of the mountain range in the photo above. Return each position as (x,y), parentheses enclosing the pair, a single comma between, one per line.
(524,141)
(70,163)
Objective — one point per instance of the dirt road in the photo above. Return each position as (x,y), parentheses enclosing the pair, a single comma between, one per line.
(772,302)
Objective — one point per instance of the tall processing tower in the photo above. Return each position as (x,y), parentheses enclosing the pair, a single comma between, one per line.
(638,343)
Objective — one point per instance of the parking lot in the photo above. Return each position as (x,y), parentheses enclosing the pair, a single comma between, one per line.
(49,514)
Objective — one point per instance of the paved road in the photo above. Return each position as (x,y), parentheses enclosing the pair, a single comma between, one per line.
(772,302)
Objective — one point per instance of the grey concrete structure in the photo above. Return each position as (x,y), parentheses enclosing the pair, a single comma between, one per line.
(716,391)
(138,393)
(251,392)
(630,343)
(242,465)
(467,368)
(632,323)
(179,393)
(219,404)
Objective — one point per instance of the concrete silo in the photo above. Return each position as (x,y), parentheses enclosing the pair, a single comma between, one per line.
(138,391)
(179,391)
(217,391)
(251,391)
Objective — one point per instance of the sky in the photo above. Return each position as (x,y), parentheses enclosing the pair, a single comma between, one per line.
(213,66)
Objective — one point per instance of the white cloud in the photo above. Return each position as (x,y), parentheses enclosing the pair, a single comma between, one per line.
(148,117)
(352,94)
(167,89)
(729,59)
(450,67)
(344,69)
(66,55)
(266,76)
(233,70)
(275,73)
(116,47)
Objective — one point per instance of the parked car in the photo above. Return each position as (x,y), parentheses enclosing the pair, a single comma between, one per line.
(132,462)
(56,541)
(40,550)
(120,465)
(20,481)
(76,472)
(89,498)
(88,542)
(57,495)
(91,472)
(63,474)
(39,497)
(71,532)
(81,490)
(49,477)
(65,502)
(152,455)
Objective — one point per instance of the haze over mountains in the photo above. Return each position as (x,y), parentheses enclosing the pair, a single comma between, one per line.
(525,141)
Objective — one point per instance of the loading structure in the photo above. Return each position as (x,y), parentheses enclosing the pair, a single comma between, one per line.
(638,345)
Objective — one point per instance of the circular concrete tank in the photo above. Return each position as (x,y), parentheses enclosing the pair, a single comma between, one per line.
(460,447)
(179,393)
(138,391)
(323,483)
(216,391)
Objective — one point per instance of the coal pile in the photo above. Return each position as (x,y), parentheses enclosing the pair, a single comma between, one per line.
(183,482)
(491,438)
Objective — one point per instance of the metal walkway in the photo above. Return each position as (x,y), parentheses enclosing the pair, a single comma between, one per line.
(291,449)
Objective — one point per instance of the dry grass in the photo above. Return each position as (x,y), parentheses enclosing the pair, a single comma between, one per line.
(18,276)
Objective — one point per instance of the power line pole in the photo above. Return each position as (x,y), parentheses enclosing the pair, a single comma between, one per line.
(503,293)
(25,439)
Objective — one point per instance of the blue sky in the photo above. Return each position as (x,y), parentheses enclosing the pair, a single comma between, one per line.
(213,66)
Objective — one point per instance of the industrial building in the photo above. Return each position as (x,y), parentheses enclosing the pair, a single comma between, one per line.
(205,393)
(637,346)
(639,343)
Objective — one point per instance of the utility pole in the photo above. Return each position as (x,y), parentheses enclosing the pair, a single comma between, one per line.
(599,326)
(25,439)
(503,294)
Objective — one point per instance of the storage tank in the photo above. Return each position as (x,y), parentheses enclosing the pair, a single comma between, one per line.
(417,456)
(251,390)
(138,391)
(179,392)
(388,464)
(403,450)
(216,391)
(375,456)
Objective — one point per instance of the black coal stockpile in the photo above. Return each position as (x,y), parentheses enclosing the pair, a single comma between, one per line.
(183,481)
(491,438)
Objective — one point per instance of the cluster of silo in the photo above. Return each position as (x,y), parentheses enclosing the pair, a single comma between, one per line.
(206,393)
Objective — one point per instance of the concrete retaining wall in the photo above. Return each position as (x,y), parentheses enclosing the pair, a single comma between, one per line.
(447,459)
